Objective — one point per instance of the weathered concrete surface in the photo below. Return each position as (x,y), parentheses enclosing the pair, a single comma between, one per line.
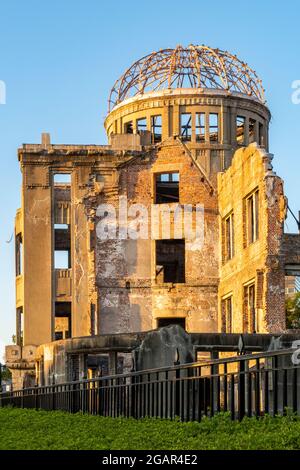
(164,348)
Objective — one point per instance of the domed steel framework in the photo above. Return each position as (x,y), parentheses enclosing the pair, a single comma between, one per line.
(198,67)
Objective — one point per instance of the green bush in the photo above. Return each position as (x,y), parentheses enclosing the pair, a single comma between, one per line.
(292,307)
(30,429)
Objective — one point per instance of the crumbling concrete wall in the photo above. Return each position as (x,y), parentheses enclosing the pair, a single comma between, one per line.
(251,169)
(130,297)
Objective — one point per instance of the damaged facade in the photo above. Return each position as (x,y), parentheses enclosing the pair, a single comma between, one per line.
(170,144)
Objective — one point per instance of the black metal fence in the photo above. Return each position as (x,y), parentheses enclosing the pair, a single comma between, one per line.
(250,385)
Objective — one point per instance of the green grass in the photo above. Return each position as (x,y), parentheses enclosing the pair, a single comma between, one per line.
(30,429)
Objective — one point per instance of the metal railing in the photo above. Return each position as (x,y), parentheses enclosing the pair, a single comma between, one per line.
(252,385)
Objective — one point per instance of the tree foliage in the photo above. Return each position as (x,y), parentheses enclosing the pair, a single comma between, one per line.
(5,373)
(292,306)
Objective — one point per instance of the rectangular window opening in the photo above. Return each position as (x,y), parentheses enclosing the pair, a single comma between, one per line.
(62,238)
(240,129)
(170,261)
(62,320)
(62,178)
(214,127)
(141,125)
(128,127)
(20,327)
(261,136)
(229,237)
(61,227)
(166,188)
(252,217)
(227,317)
(186,126)
(250,313)
(252,124)
(200,127)
(19,255)
(62,259)
(156,128)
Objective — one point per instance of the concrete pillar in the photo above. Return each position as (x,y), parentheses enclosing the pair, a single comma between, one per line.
(246,132)
(176,119)
(256,132)
(233,127)
(193,122)
(207,139)
(165,123)
(112,362)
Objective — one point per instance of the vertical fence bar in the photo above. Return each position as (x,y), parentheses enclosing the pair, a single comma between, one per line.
(275,385)
(257,388)
(295,389)
(225,388)
(232,398)
(241,389)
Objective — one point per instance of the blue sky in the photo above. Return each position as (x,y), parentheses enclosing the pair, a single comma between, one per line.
(59,60)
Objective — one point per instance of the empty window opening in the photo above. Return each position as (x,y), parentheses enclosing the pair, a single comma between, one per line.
(166,188)
(229,237)
(20,326)
(19,255)
(252,124)
(186,126)
(156,128)
(292,297)
(61,226)
(252,217)
(62,320)
(214,127)
(98,365)
(170,261)
(62,213)
(240,129)
(261,137)
(227,322)
(250,314)
(62,178)
(200,127)
(168,321)
(128,127)
(141,125)
(62,259)
(62,237)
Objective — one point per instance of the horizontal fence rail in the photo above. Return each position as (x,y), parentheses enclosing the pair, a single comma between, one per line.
(252,385)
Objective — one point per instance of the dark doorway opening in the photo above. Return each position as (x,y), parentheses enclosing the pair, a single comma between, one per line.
(168,321)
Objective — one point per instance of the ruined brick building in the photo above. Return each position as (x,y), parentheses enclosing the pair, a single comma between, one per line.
(187,126)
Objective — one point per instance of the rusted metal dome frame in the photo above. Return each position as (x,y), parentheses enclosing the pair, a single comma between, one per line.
(198,67)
